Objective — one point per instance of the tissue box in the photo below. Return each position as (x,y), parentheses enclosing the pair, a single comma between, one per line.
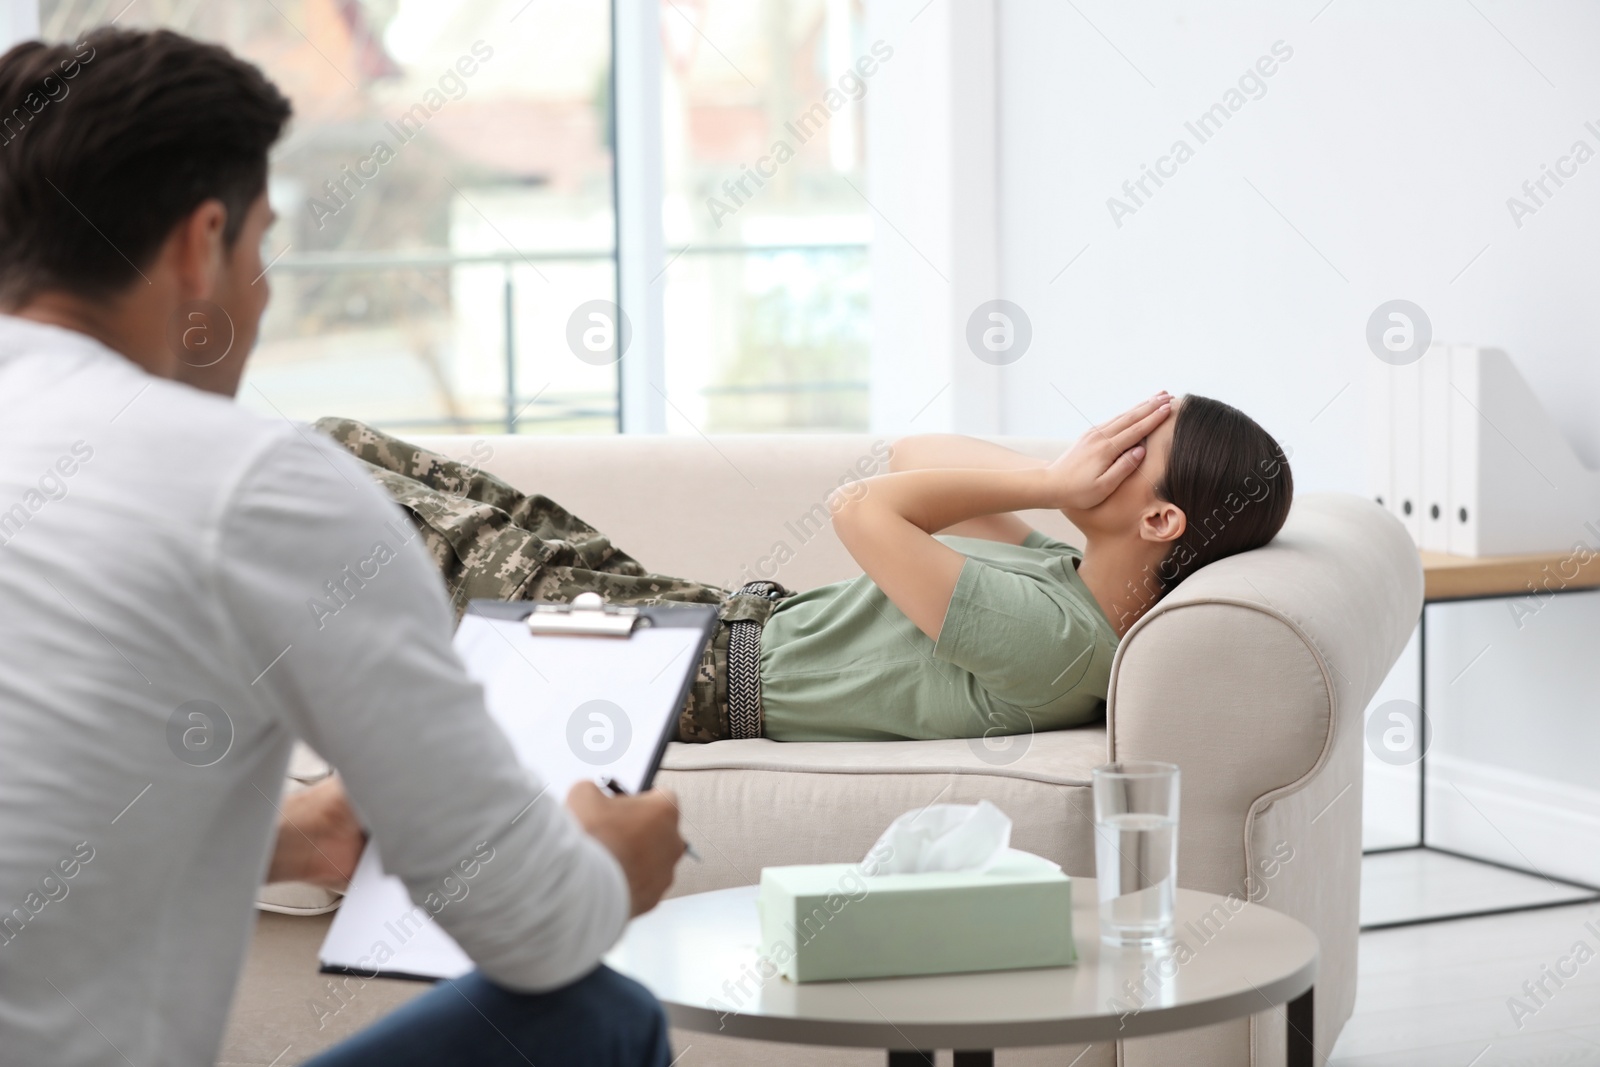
(830,921)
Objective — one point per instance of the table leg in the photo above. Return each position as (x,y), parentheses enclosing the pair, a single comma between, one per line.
(1301,1029)
(984,1058)
(1422,730)
(968,1058)
(910,1059)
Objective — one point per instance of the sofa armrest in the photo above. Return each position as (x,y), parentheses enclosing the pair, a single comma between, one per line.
(1234,697)
(1247,672)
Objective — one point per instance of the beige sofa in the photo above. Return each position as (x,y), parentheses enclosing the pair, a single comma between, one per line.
(1253,676)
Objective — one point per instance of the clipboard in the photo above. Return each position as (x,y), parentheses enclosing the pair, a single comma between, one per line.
(583,691)
(588,638)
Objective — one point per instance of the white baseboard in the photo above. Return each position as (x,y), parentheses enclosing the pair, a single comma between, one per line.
(1388,805)
(1514,818)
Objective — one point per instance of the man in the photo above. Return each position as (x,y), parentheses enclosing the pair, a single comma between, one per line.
(158,547)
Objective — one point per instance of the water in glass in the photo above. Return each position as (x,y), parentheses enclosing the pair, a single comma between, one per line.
(1136,861)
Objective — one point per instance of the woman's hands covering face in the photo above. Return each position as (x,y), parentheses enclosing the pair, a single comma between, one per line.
(1103,458)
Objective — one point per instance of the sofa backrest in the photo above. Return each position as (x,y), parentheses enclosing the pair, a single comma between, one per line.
(723,509)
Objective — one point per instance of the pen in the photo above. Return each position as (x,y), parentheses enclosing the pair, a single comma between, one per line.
(617,790)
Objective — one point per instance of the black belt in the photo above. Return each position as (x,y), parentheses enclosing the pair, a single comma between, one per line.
(744,665)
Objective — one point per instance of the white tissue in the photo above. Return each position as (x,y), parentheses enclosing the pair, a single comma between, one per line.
(942,837)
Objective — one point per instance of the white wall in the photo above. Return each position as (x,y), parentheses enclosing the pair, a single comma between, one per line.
(932,172)
(1390,141)
(19,21)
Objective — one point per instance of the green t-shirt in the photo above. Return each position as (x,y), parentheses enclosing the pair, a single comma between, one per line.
(1024,647)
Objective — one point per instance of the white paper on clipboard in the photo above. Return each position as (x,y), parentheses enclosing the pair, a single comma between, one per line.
(573,708)
(580,707)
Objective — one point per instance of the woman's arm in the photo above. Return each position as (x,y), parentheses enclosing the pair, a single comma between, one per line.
(889,528)
(944,451)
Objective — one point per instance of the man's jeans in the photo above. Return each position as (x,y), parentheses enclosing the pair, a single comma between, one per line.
(602,1020)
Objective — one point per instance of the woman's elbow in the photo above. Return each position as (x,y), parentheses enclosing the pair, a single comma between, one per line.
(841,508)
(845,505)
(900,455)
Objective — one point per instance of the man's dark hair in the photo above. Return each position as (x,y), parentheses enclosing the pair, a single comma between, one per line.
(1232,481)
(108,143)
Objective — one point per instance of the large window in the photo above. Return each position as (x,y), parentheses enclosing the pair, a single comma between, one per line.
(446,204)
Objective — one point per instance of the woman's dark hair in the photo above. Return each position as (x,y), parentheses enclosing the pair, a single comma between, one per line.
(109,143)
(1232,481)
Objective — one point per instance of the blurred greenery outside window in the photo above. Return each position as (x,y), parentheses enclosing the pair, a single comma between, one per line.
(446,186)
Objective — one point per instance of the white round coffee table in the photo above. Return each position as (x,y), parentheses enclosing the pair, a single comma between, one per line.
(699,955)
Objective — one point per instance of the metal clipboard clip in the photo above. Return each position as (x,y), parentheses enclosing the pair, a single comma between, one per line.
(587,616)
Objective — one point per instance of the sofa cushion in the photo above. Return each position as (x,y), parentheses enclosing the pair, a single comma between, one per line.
(1058,757)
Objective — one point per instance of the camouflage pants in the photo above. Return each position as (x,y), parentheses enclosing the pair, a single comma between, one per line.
(493,542)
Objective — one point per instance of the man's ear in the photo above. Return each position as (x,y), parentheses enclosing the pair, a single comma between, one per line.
(196,250)
(1163,522)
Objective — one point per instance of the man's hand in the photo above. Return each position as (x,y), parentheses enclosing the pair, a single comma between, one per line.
(641,831)
(1102,459)
(319,837)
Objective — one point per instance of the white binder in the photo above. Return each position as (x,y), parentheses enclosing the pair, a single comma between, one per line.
(1406,420)
(1516,486)
(1434,503)
(1462,539)
(1380,436)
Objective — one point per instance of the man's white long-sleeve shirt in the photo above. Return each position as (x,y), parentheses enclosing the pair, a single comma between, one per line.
(161,553)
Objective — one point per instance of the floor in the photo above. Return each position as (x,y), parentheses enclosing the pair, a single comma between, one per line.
(284,1012)
(1452,994)
(1417,883)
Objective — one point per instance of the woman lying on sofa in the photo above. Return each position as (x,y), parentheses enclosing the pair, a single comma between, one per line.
(988,628)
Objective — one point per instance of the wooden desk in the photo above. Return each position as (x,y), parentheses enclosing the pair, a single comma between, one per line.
(1448,577)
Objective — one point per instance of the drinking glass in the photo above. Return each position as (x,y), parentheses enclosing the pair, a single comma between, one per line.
(1136,851)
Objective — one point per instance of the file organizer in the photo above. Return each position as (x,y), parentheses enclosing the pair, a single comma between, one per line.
(1469,461)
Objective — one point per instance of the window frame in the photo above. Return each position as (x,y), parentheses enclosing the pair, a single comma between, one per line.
(637,190)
